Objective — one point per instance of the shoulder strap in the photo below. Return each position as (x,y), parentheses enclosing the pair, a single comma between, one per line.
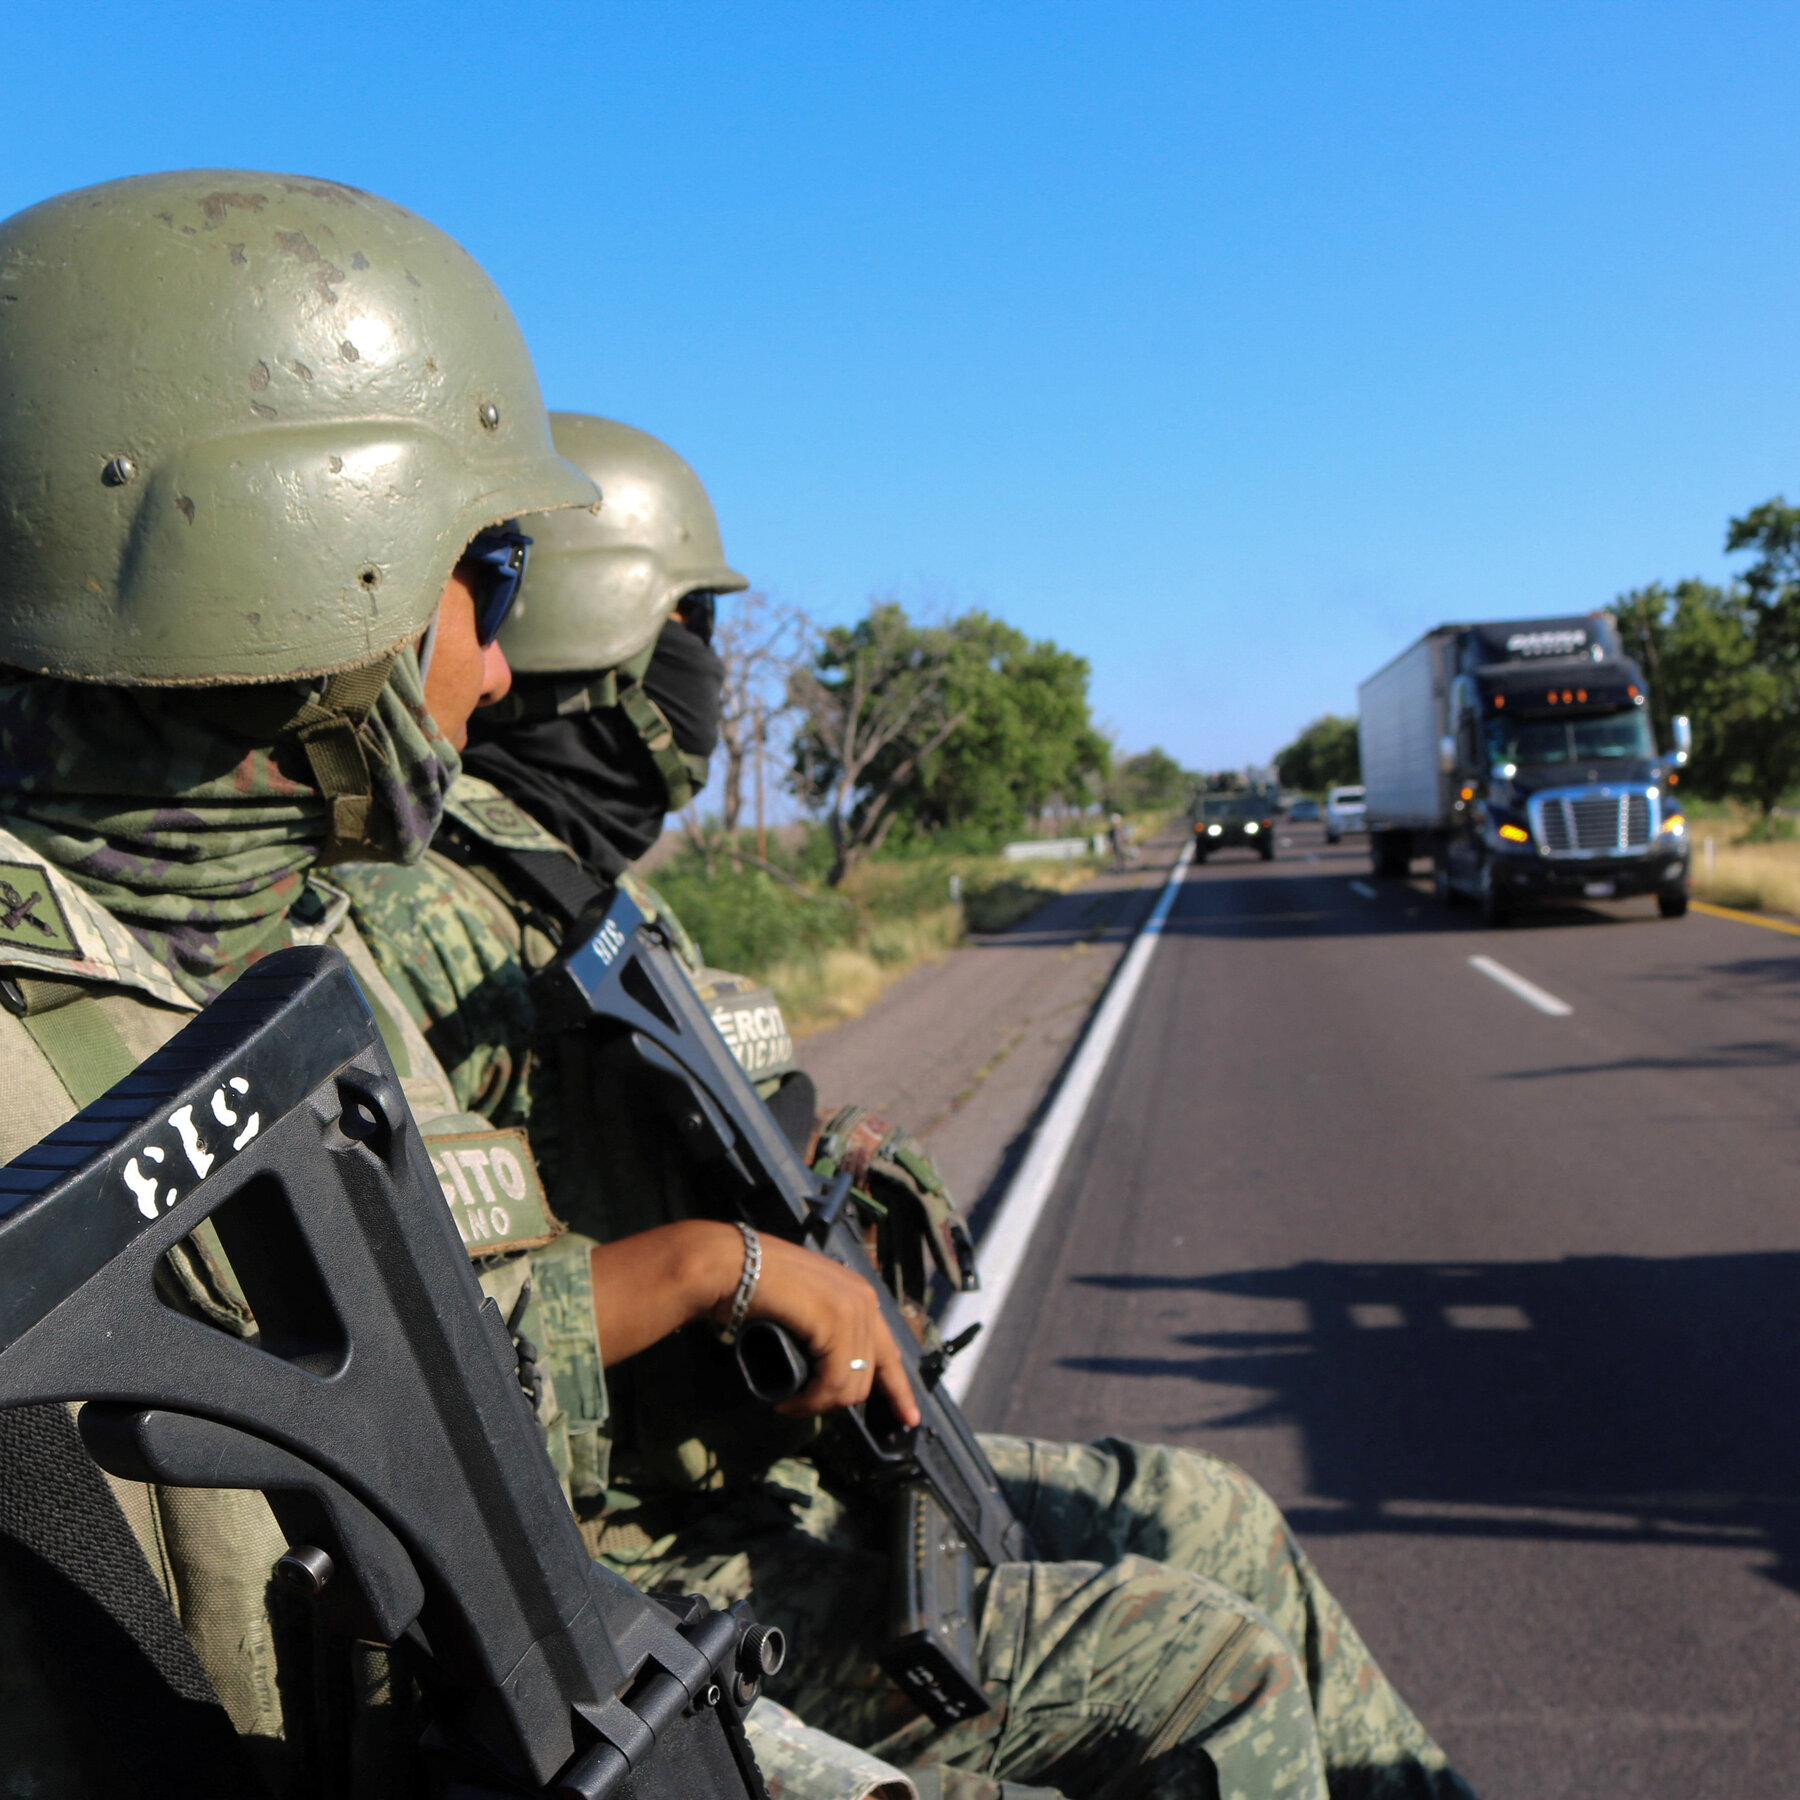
(68,1025)
(549,879)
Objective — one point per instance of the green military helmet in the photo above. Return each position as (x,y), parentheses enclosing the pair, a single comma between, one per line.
(247,424)
(601,584)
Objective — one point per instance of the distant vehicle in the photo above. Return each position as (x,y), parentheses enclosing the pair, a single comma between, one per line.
(1303,812)
(1344,813)
(1234,822)
(1520,756)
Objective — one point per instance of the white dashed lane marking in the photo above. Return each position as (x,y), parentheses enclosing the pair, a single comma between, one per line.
(1528,991)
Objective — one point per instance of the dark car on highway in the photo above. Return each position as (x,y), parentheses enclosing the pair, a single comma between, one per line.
(1234,822)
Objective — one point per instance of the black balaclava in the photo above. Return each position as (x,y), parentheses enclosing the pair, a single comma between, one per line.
(589,778)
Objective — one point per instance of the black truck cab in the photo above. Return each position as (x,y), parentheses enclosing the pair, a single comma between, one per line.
(1558,789)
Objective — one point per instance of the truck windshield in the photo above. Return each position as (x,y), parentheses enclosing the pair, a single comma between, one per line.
(1607,737)
(1243,807)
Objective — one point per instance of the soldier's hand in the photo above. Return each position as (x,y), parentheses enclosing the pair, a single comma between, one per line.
(837,1316)
(653,1283)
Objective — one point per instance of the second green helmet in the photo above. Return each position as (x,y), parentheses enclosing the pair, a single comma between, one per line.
(600,584)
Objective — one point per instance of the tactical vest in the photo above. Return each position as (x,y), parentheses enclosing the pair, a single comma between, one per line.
(82,1002)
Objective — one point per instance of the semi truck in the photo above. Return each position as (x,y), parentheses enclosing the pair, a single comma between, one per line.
(1520,756)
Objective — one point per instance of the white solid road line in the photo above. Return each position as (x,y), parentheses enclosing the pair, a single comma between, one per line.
(1528,991)
(1363,888)
(1008,1237)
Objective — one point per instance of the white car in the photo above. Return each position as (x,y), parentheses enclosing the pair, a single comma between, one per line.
(1344,813)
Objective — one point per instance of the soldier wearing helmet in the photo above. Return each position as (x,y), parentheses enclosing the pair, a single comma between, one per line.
(614,707)
(261,441)
(1174,1578)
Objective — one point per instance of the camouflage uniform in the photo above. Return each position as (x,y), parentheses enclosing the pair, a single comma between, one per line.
(1176,1638)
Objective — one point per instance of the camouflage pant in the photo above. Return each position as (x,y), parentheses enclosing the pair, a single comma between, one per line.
(1177,1641)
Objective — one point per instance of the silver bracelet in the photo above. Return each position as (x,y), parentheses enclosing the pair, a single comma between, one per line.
(746,1287)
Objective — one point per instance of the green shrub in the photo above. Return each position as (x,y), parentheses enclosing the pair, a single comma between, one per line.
(746,920)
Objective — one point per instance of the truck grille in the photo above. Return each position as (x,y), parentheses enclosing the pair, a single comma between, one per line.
(1594,821)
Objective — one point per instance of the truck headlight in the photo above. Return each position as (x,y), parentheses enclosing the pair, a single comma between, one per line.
(1251,830)
(1674,828)
(1214,830)
(1515,834)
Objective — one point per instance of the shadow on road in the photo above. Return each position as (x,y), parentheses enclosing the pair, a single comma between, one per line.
(1768,1053)
(1616,1399)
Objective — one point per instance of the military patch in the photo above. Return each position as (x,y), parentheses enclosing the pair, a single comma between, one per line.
(493,817)
(754,1028)
(493,1190)
(498,817)
(30,914)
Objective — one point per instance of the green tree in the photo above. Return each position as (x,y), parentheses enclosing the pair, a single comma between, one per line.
(1729,658)
(1024,737)
(968,726)
(874,702)
(1326,754)
(1151,779)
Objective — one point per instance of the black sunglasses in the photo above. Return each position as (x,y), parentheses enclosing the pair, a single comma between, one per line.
(499,555)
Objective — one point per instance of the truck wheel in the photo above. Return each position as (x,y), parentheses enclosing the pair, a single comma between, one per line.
(1331,837)
(1267,853)
(1443,887)
(1391,852)
(1672,906)
(1494,910)
(1199,854)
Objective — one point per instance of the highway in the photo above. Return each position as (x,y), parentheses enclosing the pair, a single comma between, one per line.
(1490,1275)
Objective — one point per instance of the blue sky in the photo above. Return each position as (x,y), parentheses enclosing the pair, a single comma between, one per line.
(1231,346)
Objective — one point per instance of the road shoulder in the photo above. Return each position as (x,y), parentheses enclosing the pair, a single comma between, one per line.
(964,1051)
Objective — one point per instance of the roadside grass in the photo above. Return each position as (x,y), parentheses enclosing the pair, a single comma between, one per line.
(1752,866)
(1756,877)
(828,956)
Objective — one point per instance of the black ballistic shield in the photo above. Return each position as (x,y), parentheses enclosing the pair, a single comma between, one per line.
(617,973)
(378,1406)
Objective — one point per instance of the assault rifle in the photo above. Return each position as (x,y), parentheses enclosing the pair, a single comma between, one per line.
(379,1406)
(616,971)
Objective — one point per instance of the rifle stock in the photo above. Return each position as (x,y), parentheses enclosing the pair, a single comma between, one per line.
(379,1405)
(616,972)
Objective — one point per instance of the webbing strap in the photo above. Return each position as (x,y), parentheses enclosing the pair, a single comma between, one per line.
(330,731)
(652,725)
(534,698)
(63,1538)
(74,1561)
(68,1024)
(550,879)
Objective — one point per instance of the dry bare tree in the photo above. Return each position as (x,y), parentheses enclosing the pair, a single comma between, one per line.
(761,642)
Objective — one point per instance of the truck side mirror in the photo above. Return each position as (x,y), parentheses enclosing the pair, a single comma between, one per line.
(1446,756)
(1684,736)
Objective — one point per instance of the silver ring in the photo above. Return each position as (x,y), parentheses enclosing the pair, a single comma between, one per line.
(857,1363)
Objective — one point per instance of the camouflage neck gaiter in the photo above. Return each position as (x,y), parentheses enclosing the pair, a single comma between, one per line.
(189,815)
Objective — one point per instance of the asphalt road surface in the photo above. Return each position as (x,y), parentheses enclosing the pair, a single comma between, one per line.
(1503,1305)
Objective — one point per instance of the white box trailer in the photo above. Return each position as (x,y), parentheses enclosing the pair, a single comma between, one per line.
(1402,716)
